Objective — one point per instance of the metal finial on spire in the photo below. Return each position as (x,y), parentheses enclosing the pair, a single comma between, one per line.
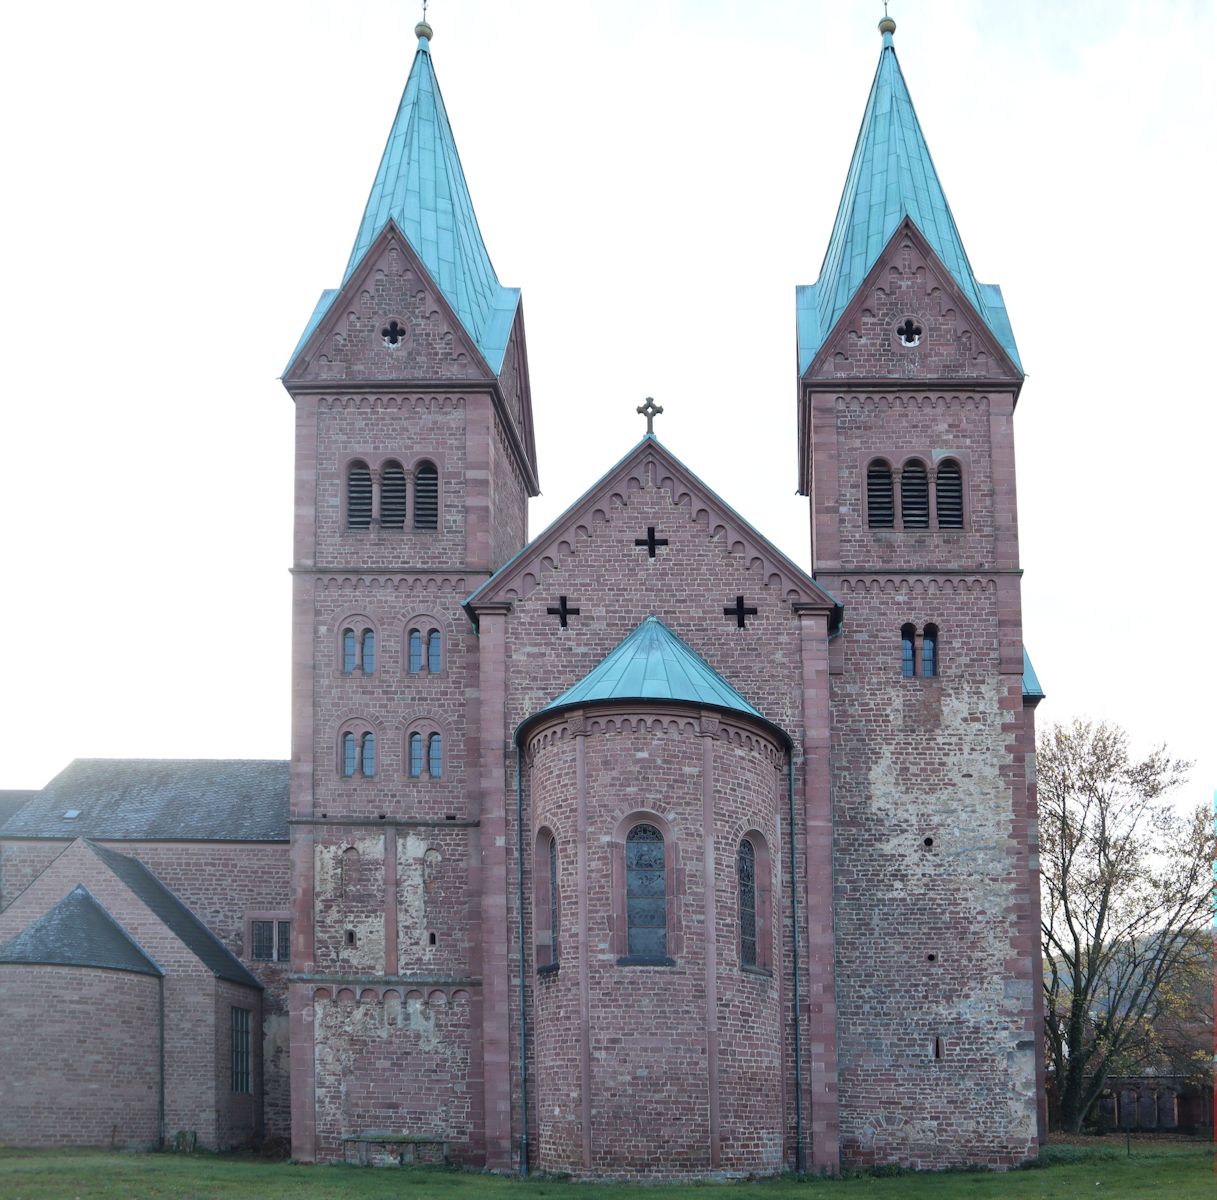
(422,29)
(887,26)
(650,410)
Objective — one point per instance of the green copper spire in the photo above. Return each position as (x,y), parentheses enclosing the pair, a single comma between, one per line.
(654,664)
(421,186)
(890,177)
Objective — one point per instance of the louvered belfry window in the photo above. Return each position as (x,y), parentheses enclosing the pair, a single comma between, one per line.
(948,488)
(426,497)
(915,496)
(646,893)
(880,510)
(359,496)
(393,496)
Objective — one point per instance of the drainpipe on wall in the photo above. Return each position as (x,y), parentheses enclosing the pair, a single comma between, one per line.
(520,909)
(160,1099)
(799,1158)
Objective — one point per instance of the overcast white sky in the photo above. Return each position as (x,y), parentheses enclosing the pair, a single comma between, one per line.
(181,181)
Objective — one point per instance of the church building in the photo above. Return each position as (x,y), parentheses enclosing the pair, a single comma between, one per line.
(631,850)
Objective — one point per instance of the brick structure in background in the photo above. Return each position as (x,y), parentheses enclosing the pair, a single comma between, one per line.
(632,851)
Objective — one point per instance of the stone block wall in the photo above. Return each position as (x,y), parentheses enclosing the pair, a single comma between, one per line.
(91,1076)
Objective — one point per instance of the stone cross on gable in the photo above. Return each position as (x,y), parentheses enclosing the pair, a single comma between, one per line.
(650,410)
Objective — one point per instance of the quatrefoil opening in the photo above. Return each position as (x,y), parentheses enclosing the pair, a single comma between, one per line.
(909,332)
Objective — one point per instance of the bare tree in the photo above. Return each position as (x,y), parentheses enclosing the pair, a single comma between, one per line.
(1127,888)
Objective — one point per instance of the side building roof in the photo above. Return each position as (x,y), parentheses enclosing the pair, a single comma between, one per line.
(130,799)
(182,922)
(78,932)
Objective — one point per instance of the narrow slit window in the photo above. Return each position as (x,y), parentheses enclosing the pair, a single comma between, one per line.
(367,652)
(415,651)
(646,894)
(880,508)
(929,651)
(359,496)
(908,656)
(914,496)
(426,497)
(367,755)
(747,903)
(393,496)
(416,755)
(948,489)
(348,755)
(348,651)
(553,899)
(434,648)
(435,756)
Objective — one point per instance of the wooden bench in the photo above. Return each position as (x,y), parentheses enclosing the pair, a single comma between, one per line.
(396,1145)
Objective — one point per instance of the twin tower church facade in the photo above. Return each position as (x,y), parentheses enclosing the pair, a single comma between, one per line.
(631,850)
(634,849)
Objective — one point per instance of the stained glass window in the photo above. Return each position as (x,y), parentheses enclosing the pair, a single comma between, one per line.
(646,893)
(747,903)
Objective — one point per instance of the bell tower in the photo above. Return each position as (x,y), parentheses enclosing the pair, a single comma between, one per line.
(908,379)
(414,462)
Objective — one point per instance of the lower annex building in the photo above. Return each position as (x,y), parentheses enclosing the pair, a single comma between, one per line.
(631,850)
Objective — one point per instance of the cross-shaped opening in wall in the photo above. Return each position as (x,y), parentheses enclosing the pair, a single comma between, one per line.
(739,612)
(393,333)
(909,333)
(650,541)
(562,611)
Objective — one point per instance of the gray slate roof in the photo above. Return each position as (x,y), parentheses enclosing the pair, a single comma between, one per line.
(184,924)
(12,801)
(78,932)
(228,800)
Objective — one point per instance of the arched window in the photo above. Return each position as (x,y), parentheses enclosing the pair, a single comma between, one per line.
(415,652)
(392,496)
(350,871)
(367,755)
(545,899)
(553,899)
(349,651)
(416,755)
(880,508)
(348,755)
(646,894)
(367,652)
(948,495)
(914,496)
(435,756)
(434,651)
(746,869)
(359,496)
(908,657)
(426,496)
(929,651)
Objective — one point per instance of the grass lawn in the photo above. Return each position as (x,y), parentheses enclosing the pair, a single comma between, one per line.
(1174,1170)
